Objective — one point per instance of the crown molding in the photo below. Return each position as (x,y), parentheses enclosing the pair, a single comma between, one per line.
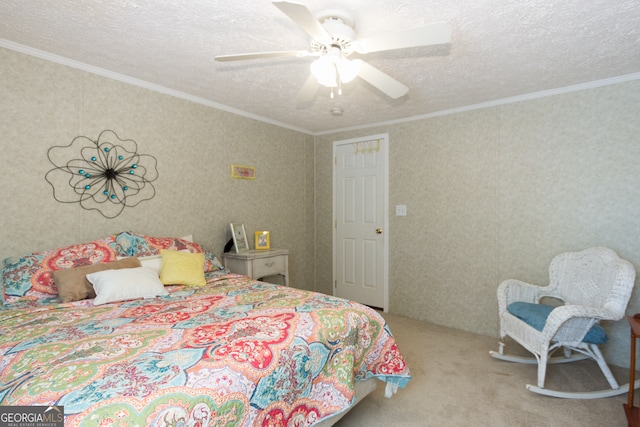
(178,94)
(27,50)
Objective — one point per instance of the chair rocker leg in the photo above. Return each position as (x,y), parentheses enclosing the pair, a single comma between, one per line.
(594,354)
(597,355)
(583,394)
(533,360)
(591,352)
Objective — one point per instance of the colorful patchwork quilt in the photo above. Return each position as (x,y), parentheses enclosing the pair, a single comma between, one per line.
(236,352)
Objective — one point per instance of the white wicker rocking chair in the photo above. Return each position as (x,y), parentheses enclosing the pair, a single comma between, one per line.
(594,285)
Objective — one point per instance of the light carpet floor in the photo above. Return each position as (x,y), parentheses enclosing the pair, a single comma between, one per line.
(456,383)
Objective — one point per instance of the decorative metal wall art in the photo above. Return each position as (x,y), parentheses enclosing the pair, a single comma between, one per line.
(106,175)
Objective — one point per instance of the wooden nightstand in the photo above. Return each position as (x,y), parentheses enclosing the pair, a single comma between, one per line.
(633,418)
(259,263)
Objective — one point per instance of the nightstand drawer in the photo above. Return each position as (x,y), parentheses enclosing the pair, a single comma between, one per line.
(268,266)
(258,264)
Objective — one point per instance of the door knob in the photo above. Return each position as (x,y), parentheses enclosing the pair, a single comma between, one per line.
(378,230)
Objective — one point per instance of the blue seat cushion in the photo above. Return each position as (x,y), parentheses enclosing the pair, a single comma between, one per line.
(535,315)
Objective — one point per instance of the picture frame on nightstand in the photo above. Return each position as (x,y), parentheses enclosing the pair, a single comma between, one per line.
(262,240)
(240,242)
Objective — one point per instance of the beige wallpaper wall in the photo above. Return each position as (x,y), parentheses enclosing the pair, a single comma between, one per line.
(44,104)
(491,194)
(495,193)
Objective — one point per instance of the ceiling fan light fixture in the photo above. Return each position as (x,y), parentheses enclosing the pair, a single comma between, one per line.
(333,69)
(325,71)
(348,70)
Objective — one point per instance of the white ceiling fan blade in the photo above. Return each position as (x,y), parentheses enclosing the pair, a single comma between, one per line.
(304,18)
(436,33)
(308,91)
(384,82)
(258,55)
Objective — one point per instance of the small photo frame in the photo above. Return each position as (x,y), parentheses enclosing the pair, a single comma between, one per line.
(243,172)
(263,240)
(240,242)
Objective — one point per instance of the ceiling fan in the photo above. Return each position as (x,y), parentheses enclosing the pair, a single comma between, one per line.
(333,39)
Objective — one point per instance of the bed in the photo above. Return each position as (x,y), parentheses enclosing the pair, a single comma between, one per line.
(87,327)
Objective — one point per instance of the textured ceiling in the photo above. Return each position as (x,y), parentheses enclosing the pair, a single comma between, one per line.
(499,49)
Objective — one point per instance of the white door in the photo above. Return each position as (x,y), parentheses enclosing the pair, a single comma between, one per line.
(360,221)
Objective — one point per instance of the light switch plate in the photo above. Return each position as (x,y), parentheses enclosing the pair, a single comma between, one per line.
(401,210)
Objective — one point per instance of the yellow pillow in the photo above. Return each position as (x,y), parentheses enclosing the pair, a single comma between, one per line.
(182,268)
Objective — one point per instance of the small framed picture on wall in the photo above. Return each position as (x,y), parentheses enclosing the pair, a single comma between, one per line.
(239,234)
(243,172)
(263,240)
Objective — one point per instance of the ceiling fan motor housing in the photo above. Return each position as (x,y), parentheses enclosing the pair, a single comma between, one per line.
(340,27)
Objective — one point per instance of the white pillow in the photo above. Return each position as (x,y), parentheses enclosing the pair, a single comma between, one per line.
(154,262)
(125,284)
